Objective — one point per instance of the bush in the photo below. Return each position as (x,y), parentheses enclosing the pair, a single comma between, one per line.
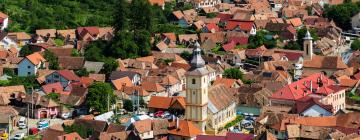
(234,122)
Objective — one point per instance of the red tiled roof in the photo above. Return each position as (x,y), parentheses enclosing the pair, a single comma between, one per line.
(159,102)
(239,40)
(229,46)
(301,88)
(53,87)
(185,129)
(243,25)
(224,17)
(226,81)
(213,27)
(307,102)
(69,75)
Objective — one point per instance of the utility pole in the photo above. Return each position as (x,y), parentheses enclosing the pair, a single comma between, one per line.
(32,101)
(108,102)
(27,120)
(9,119)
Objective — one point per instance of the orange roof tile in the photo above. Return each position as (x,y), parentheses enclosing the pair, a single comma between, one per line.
(159,102)
(185,129)
(169,80)
(226,81)
(35,58)
(119,83)
(152,86)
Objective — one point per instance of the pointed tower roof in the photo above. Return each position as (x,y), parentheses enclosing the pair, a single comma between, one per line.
(197,61)
(307,35)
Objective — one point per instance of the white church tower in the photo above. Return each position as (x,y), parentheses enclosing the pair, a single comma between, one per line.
(197,90)
(308,46)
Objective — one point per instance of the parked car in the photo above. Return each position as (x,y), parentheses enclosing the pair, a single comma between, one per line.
(3,135)
(22,123)
(33,131)
(19,136)
(159,113)
(66,115)
(43,124)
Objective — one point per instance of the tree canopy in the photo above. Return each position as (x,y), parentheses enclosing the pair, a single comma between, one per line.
(355,45)
(29,15)
(99,95)
(342,13)
(233,73)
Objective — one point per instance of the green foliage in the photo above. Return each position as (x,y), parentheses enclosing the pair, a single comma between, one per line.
(9,72)
(234,122)
(166,61)
(80,129)
(28,82)
(183,6)
(233,73)
(217,50)
(110,65)
(29,15)
(53,96)
(186,55)
(259,40)
(75,53)
(98,96)
(82,72)
(128,105)
(4,82)
(248,82)
(52,59)
(302,32)
(211,15)
(355,45)
(25,50)
(59,42)
(121,12)
(342,14)
(293,45)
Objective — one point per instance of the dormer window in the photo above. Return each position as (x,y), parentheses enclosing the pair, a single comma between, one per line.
(193,81)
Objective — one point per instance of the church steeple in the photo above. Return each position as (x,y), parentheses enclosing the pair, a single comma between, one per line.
(197,61)
(308,45)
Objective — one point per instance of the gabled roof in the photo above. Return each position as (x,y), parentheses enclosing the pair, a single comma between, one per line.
(307,102)
(45,32)
(3,15)
(243,25)
(143,126)
(35,58)
(70,136)
(97,77)
(169,80)
(68,74)
(60,51)
(220,97)
(226,82)
(152,86)
(119,83)
(185,129)
(19,35)
(325,62)
(120,74)
(135,90)
(320,85)
(72,63)
(53,87)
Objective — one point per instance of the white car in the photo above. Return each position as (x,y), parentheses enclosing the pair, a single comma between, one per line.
(66,115)
(19,136)
(22,123)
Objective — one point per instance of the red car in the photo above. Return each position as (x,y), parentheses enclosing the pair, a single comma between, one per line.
(159,113)
(33,131)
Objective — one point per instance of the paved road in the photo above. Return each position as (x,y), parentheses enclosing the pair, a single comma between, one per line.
(33,123)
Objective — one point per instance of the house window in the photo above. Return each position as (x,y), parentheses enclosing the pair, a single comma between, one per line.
(29,73)
(193,81)
(29,67)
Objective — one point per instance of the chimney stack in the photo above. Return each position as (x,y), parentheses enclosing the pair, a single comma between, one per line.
(177,123)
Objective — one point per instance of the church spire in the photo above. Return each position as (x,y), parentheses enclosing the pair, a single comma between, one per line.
(197,61)
(307,35)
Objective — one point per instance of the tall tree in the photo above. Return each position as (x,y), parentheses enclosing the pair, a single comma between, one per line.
(233,73)
(52,59)
(355,45)
(121,15)
(140,16)
(100,95)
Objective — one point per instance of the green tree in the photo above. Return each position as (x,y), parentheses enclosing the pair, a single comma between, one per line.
(293,45)
(110,65)
(186,55)
(28,82)
(83,131)
(99,95)
(301,34)
(59,42)
(121,15)
(260,39)
(75,53)
(355,45)
(140,16)
(128,105)
(82,72)
(53,96)
(52,59)
(342,13)
(25,50)
(233,73)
